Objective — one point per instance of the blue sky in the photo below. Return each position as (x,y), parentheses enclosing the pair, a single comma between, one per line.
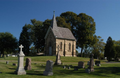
(14,14)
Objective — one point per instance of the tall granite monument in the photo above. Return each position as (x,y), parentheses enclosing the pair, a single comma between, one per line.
(20,69)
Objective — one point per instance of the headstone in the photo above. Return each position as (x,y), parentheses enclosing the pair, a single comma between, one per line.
(91,63)
(87,70)
(7,62)
(58,60)
(64,67)
(68,67)
(14,64)
(28,64)
(81,64)
(97,62)
(49,67)
(20,69)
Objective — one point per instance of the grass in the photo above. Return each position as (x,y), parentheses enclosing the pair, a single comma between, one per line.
(105,71)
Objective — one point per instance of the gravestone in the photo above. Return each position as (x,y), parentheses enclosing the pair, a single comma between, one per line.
(14,64)
(49,68)
(68,67)
(64,67)
(91,63)
(20,69)
(7,62)
(81,64)
(97,62)
(28,64)
(58,60)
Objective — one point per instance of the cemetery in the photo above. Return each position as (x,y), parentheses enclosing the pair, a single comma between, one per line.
(68,45)
(45,67)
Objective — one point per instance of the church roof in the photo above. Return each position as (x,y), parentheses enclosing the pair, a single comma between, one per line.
(60,32)
(63,33)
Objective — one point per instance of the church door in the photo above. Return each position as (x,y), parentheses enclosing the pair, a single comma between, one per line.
(50,50)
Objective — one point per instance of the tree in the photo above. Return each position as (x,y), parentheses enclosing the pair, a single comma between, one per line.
(70,18)
(26,38)
(8,43)
(109,49)
(62,23)
(39,34)
(98,48)
(85,30)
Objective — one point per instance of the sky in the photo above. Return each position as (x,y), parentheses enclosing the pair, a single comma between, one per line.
(14,14)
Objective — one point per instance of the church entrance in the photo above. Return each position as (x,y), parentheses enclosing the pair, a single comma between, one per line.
(50,50)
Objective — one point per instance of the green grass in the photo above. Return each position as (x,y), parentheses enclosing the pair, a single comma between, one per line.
(105,71)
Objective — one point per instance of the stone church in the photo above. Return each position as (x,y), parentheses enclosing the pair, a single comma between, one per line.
(59,36)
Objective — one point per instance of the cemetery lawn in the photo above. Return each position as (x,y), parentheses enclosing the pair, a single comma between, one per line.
(107,70)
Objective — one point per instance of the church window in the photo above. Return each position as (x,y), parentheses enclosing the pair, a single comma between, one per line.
(69,46)
(60,45)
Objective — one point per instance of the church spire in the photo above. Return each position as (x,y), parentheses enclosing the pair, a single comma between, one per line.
(54,23)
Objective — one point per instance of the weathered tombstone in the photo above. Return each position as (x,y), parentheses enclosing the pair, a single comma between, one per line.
(68,67)
(28,64)
(97,62)
(58,60)
(7,62)
(14,64)
(81,64)
(20,69)
(49,68)
(64,67)
(91,63)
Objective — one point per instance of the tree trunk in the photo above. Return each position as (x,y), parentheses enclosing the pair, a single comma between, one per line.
(81,51)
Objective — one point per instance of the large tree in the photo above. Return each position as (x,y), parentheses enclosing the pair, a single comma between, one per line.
(85,30)
(109,49)
(39,34)
(8,43)
(70,18)
(26,38)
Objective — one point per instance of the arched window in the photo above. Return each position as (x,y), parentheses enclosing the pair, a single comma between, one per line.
(60,45)
(69,46)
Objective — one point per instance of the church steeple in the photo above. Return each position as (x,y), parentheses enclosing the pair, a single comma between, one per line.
(54,23)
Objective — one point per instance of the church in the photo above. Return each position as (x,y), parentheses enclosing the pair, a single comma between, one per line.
(62,37)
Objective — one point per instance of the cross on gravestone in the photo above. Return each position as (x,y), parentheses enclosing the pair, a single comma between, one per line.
(58,60)
(21,46)
(20,69)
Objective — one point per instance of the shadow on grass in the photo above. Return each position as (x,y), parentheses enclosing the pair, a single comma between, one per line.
(108,70)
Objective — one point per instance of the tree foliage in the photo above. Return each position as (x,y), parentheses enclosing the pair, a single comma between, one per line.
(98,48)
(8,43)
(26,38)
(110,49)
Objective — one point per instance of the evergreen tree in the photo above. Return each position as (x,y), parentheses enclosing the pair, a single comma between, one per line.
(109,49)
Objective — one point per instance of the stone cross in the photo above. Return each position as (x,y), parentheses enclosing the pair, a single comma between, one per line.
(21,46)
(20,69)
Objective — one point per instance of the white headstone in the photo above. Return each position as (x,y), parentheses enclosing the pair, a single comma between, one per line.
(20,69)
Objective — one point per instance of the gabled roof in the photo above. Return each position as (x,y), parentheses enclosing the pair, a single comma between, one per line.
(63,33)
(60,32)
